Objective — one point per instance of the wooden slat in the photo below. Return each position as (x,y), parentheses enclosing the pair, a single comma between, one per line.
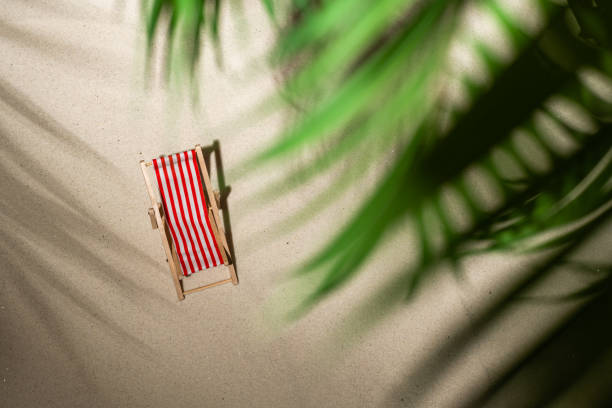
(162,232)
(210,285)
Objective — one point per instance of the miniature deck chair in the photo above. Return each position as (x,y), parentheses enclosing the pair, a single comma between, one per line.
(188,219)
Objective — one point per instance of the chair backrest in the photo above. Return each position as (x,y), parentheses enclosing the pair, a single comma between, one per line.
(180,187)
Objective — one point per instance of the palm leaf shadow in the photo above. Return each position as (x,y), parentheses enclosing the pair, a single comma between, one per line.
(51,48)
(581,338)
(42,217)
(436,363)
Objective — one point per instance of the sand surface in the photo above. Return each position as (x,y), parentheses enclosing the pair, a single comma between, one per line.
(88,313)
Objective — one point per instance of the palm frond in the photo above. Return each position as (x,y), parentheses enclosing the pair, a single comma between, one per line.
(363,95)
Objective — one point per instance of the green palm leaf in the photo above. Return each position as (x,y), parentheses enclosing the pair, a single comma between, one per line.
(432,159)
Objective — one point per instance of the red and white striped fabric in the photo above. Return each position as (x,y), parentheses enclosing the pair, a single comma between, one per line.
(178,178)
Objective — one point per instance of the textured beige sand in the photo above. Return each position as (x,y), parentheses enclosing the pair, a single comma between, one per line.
(88,314)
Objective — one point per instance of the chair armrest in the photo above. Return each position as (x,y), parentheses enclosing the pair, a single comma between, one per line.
(152,218)
(217,198)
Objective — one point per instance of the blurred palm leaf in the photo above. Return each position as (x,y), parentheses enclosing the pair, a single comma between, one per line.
(186,19)
(504,117)
(374,80)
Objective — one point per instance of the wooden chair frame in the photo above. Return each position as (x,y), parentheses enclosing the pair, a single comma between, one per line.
(158,221)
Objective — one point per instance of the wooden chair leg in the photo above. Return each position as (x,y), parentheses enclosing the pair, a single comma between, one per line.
(232,271)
